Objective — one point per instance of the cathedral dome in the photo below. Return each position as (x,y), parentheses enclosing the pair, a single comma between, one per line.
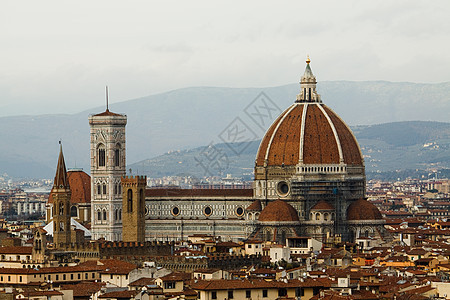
(308,133)
(322,205)
(279,211)
(363,210)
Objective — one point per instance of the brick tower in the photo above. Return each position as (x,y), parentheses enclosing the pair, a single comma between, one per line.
(133,204)
(61,204)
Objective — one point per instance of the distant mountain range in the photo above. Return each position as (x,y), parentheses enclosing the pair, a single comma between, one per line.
(386,147)
(186,118)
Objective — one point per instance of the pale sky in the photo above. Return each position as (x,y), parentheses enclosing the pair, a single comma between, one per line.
(56,56)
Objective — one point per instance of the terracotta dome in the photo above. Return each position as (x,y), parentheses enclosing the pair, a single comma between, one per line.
(322,205)
(80,187)
(255,206)
(363,210)
(308,132)
(279,211)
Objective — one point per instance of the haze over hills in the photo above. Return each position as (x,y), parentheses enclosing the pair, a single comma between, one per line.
(190,117)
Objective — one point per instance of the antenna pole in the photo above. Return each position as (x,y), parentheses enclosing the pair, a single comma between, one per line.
(107,104)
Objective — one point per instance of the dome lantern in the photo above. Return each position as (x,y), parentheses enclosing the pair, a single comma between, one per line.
(308,83)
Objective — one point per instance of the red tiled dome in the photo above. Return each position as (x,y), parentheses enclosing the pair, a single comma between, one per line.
(363,210)
(308,132)
(80,187)
(322,205)
(255,206)
(279,211)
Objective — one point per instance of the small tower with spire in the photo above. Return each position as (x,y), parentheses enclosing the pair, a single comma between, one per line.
(308,84)
(61,204)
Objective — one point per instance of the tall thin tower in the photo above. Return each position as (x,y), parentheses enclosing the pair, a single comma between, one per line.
(108,165)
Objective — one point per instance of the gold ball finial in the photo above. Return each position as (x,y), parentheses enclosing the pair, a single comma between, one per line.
(307,59)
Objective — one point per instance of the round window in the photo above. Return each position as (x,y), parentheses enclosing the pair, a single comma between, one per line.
(175,211)
(282,188)
(207,211)
(239,211)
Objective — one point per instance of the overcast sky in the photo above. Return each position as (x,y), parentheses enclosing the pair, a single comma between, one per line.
(57,55)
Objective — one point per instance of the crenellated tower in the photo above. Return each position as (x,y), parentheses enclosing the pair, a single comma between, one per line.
(133,205)
(61,204)
(108,165)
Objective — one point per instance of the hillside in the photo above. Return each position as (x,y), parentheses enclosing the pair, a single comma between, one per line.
(187,118)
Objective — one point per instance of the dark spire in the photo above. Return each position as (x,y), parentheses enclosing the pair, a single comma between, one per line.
(61,173)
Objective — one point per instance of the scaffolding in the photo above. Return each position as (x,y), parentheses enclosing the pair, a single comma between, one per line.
(336,192)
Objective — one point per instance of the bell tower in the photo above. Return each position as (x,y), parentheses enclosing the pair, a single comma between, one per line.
(133,214)
(61,204)
(108,165)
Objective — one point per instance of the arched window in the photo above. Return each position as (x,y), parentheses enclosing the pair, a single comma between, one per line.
(99,215)
(325,216)
(104,215)
(318,216)
(117,155)
(104,189)
(73,211)
(130,201)
(101,155)
(61,209)
(116,214)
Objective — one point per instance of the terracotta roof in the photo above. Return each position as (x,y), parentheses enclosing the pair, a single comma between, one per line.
(143,282)
(363,210)
(84,289)
(176,276)
(256,205)
(16,250)
(80,187)
(172,192)
(107,113)
(322,205)
(279,211)
(281,144)
(120,294)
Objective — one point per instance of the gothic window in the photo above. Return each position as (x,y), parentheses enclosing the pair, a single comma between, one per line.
(116,214)
(99,189)
(104,189)
(104,215)
(101,155)
(61,209)
(73,211)
(99,215)
(120,189)
(130,201)
(120,214)
(117,156)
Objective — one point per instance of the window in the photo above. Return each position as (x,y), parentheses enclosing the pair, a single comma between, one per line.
(101,156)
(299,292)
(99,215)
(71,276)
(282,292)
(57,277)
(99,189)
(104,215)
(249,246)
(169,285)
(64,276)
(117,157)
(104,189)
(20,278)
(248,294)
(111,276)
(86,275)
(264,293)
(79,276)
(230,295)
(213,295)
(130,201)
(93,275)
(73,211)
